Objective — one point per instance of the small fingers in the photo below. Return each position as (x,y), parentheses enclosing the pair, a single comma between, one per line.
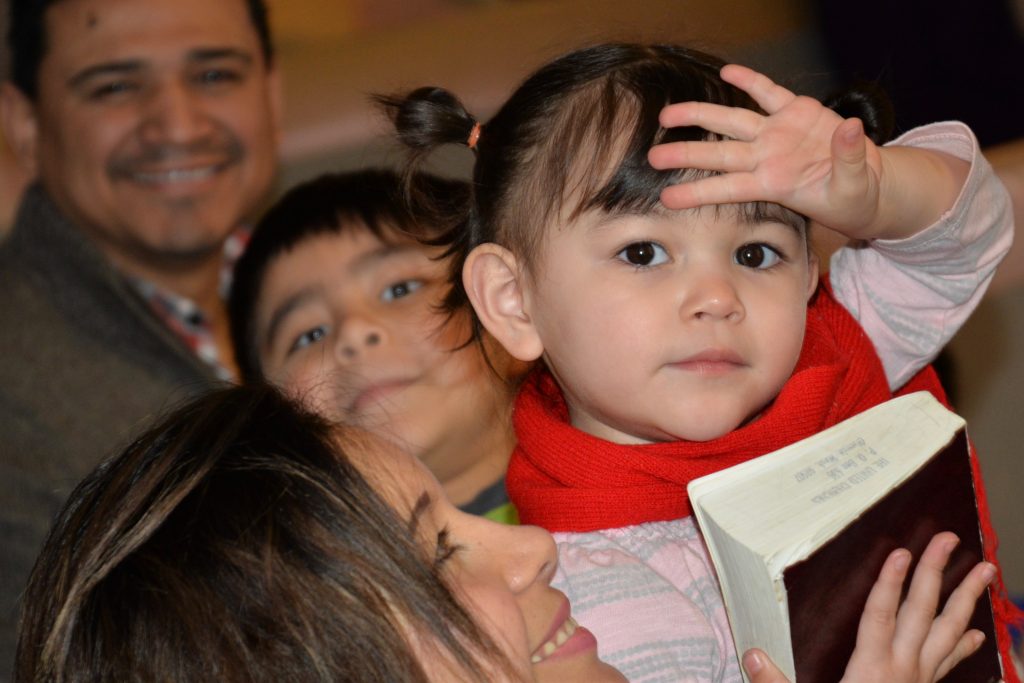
(733,122)
(730,189)
(850,178)
(766,92)
(966,646)
(726,155)
(946,644)
(918,611)
(761,669)
(849,144)
(878,622)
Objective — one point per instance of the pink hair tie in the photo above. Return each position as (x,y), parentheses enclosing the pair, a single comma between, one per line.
(474,136)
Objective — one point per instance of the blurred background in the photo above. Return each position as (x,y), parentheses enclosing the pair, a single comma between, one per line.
(939,59)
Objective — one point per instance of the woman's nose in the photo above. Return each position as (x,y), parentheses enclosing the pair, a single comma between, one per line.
(534,557)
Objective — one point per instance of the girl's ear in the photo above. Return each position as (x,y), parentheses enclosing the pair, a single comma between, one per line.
(493,280)
(812,274)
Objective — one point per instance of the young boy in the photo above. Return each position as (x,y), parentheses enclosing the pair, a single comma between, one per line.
(336,301)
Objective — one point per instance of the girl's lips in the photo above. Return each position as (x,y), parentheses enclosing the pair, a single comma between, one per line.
(711,362)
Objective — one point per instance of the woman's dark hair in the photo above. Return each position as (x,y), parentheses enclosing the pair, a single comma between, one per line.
(235,541)
(572,138)
(331,204)
(27,40)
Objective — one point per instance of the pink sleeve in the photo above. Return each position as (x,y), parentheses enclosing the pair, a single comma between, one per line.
(912,295)
(650,596)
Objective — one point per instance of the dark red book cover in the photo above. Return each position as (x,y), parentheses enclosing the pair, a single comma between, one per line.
(827,591)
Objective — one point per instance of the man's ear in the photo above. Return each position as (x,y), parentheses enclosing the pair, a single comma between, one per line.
(20,125)
(493,280)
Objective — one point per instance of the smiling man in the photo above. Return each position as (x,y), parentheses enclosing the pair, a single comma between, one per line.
(150,127)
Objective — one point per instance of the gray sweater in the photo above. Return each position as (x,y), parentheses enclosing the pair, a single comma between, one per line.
(84,364)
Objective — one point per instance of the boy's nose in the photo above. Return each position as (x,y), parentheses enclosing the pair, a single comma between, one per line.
(358,336)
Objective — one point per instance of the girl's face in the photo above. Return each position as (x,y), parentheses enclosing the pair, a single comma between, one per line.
(671,326)
(502,574)
(348,324)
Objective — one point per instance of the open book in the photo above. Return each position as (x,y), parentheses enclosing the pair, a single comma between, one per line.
(799,535)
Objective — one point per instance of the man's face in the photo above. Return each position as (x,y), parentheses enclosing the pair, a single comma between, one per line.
(155,127)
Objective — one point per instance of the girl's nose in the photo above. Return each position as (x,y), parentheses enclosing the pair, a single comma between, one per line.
(712,296)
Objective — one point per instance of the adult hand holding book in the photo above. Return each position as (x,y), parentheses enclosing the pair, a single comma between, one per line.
(906,643)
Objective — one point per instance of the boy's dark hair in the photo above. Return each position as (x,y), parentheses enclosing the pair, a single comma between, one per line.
(572,138)
(27,39)
(235,541)
(331,204)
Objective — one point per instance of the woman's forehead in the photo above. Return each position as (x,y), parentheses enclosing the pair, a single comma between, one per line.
(398,476)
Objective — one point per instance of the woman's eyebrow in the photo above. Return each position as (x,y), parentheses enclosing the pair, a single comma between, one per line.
(416,514)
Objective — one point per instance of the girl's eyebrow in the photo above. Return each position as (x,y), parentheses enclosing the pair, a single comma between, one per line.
(775,213)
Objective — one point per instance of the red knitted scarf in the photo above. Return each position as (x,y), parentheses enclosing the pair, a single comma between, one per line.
(566,480)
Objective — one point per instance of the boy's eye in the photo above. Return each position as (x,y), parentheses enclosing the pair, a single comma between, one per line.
(755,255)
(644,254)
(399,290)
(308,338)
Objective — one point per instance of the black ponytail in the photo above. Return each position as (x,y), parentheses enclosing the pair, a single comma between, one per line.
(867,101)
(427,118)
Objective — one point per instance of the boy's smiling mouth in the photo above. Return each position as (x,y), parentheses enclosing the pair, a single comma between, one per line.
(373,393)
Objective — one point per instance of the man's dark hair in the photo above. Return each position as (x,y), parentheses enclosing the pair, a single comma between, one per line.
(26,39)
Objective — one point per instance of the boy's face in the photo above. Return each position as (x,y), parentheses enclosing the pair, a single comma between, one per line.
(348,323)
(667,327)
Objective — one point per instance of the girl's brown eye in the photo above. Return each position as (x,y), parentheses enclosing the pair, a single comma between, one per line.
(758,256)
(643,254)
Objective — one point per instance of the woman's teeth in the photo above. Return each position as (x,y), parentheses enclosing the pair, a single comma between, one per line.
(561,635)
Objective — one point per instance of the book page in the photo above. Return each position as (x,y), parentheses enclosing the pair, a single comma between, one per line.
(787,504)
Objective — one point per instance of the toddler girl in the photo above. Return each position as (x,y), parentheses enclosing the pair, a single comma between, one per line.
(679,342)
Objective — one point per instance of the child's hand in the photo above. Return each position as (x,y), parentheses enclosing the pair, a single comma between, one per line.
(806,157)
(906,643)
